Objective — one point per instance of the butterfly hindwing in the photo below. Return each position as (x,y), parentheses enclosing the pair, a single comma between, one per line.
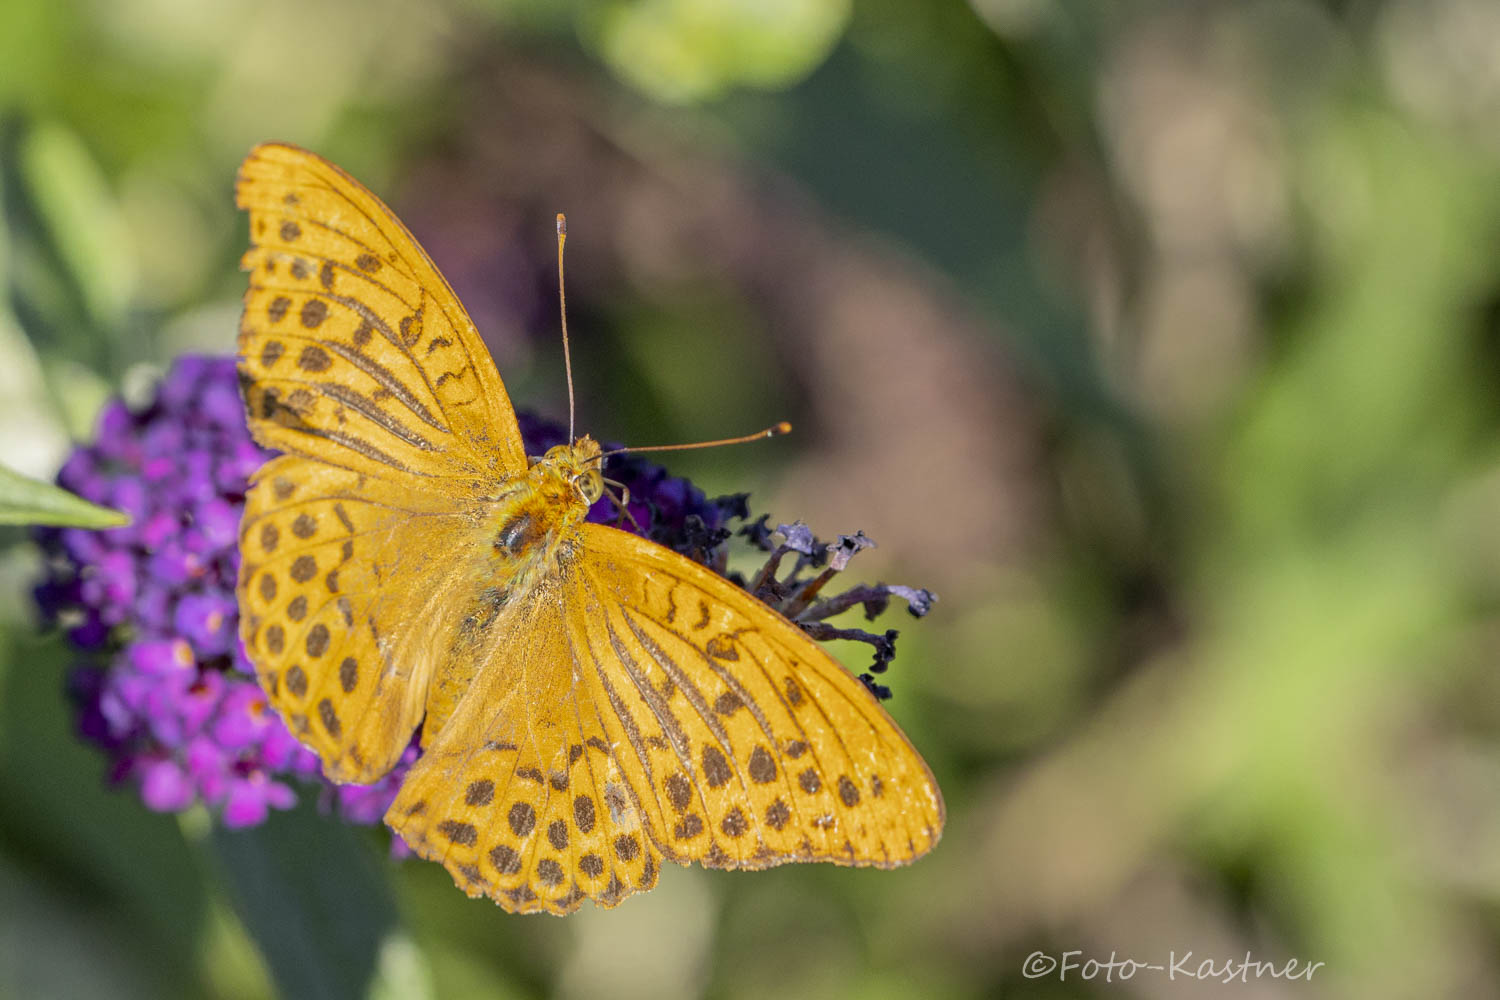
(353,349)
(520,795)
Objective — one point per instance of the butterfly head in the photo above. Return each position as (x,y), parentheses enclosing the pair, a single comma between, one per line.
(576,467)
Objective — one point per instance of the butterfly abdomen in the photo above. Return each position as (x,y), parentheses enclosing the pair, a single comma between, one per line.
(521,533)
(527,526)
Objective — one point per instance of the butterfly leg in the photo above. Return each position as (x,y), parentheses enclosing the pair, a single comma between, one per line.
(623,503)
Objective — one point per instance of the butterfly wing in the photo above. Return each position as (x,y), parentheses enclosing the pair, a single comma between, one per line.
(520,795)
(753,744)
(353,349)
(357,360)
(339,606)
(654,710)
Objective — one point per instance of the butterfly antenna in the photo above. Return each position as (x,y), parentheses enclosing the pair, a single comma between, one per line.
(769,432)
(562,301)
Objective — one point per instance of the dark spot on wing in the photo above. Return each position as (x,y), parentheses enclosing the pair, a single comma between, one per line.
(522,818)
(715,767)
(583,813)
(462,834)
(314,312)
(762,766)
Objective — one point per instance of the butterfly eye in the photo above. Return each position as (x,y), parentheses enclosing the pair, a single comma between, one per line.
(589,486)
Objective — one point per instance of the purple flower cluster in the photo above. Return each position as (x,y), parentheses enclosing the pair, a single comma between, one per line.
(174,710)
(167,693)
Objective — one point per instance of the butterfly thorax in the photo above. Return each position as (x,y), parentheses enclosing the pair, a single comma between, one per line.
(536,512)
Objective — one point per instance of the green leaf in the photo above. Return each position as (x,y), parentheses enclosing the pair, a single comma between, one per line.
(29,501)
(308,889)
(71,195)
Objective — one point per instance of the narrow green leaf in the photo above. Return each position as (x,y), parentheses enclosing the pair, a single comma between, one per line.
(310,892)
(29,501)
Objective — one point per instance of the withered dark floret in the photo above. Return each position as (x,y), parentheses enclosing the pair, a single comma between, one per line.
(798,593)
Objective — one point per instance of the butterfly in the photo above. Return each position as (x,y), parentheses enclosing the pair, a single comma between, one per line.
(591,704)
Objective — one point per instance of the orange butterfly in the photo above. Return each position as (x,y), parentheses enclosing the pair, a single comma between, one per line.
(591,703)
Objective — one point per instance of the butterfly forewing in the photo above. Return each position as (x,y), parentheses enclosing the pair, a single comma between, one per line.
(755,746)
(353,348)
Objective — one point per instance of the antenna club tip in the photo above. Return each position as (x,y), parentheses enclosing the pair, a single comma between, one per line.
(562,224)
(782,428)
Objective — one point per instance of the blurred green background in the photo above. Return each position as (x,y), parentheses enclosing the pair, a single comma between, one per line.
(1160,339)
